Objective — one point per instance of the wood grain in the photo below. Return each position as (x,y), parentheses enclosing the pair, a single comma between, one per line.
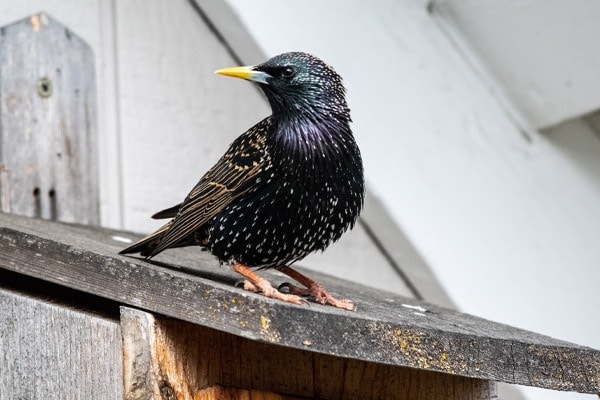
(50,351)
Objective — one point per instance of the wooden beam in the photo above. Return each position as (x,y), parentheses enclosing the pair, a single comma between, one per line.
(387,329)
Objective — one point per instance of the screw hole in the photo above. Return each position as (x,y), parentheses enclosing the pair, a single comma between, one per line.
(45,87)
(37,203)
(53,205)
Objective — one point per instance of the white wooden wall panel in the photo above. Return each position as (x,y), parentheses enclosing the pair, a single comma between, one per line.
(177,116)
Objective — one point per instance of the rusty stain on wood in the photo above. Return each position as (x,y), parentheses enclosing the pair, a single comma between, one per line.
(35,22)
(38,19)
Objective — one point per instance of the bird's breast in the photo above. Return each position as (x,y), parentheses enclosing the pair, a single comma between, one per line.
(310,193)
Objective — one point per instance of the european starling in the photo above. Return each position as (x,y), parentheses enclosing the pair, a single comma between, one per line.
(290,185)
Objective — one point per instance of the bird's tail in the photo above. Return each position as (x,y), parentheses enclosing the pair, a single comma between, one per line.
(147,245)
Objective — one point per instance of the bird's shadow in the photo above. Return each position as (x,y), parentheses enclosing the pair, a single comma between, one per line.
(220,274)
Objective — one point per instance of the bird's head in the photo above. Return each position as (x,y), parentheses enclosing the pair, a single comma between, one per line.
(297,85)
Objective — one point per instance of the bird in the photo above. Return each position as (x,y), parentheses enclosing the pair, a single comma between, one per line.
(290,185)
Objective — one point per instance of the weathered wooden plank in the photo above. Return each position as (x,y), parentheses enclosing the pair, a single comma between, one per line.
(140,379)
(165,355)
(48,151)
(386,329)
(49,351)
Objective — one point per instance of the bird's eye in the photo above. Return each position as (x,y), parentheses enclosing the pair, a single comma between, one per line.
(288,72)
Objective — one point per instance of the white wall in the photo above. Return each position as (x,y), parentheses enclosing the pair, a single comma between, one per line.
(542,51)
(509,223)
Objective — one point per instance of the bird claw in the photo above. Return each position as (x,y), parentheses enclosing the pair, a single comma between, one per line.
(294,294)
(247,285)
(265,288)
(293,289)
(320,295)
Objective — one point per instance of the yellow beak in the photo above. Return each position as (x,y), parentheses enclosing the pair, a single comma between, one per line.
(248,73)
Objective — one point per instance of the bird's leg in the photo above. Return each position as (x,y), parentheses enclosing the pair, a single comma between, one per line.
(256,283)
(313,289)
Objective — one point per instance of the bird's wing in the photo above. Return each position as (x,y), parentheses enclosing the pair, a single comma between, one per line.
(232,176)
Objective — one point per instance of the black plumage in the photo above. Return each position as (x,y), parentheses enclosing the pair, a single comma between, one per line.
(288,186)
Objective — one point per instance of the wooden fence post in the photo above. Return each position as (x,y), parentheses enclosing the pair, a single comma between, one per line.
(48,128)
